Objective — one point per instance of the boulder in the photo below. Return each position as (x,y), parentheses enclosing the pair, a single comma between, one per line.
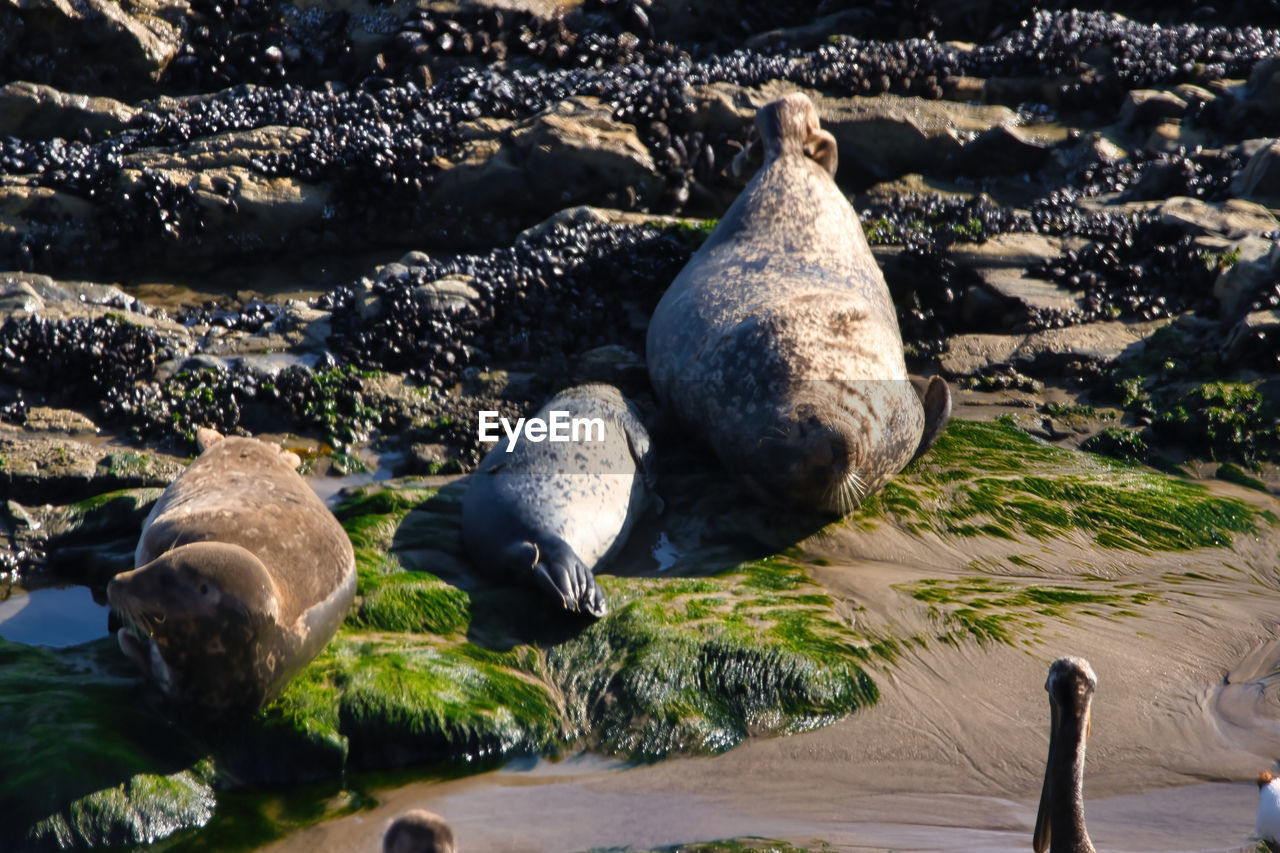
(1257,263)
(101,45)
(1146,107)
(1260,177)
(33,111)
(1232,219)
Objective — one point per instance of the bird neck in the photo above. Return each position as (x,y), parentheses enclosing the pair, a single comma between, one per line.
(1069,833)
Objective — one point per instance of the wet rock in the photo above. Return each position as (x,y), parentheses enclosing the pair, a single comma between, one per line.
(1260,177)
(1146,107)
(1254,264)
(32,111)
(1232,219)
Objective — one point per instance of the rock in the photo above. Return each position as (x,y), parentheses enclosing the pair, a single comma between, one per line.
(1171,137)
(116,44)
(48,420)
(1232,219)
(586,215)
(577,152)
(32,111)
(970,354)
(812,34)
(453,292)
(1260,177)
(1245,337)
(1047,351)
(1195,96)
(573,153)
(1002,150)
(1146,107)
(1257,264)
(1000,266)
(878,138)
(614,364)
(18,296)
(54,467)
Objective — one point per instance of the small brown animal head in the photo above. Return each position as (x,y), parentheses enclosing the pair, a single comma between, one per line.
(790,125)
(419,831)
(1265,778)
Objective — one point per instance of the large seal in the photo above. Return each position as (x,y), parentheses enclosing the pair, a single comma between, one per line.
(242,577)
(778,341)
(549,512)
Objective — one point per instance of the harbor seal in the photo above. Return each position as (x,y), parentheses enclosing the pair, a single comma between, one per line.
(419,831)
(778,342)
(549,513)
(242,576)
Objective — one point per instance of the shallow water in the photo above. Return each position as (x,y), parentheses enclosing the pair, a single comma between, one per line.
(52,616)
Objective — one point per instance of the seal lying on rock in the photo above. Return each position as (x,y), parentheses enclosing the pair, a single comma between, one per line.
(242,577)
(778,341)
(549,512)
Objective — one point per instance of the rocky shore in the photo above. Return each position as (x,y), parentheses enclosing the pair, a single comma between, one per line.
(350,227)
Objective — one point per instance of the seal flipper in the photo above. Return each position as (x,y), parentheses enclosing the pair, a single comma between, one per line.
(821,148)
(937,411)
(557,569)
(645,457)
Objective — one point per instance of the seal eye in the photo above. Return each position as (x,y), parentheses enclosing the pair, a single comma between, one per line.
(204,589)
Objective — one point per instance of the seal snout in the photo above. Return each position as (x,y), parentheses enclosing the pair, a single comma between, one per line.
(811,464)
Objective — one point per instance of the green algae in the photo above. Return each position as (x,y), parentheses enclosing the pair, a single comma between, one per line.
(1231,419)
(992,479)
(753,649)
(1232,473)
(409,602)
(993,611)
(92,766)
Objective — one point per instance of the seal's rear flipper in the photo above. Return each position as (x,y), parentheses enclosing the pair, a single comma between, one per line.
(937,411)
(560,572)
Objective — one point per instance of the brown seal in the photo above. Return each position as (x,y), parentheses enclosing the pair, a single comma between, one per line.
(778,342)
(419,831)
(243,575)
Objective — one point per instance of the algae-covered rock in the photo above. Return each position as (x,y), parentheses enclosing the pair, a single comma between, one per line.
(994,480)
(88,764)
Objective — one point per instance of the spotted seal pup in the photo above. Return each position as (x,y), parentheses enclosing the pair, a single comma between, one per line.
(548,513)
(778,342)
(243,575)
